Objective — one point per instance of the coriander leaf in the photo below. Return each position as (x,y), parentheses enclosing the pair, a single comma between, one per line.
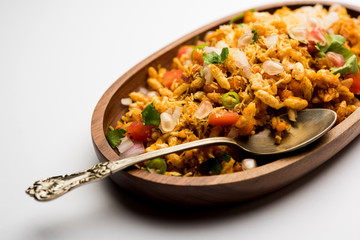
(225,157)
(224,54)
(214,164)
(201,47)
(334,43)
(213,57)
(150,116)
(351,64)
(255,37)
(114,136)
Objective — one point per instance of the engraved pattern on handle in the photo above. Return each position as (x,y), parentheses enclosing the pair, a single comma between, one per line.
(53,187)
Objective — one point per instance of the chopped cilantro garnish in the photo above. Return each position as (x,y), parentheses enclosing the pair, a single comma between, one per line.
(150,116)
(255,37)
(213,57)
(114,136)
(334,43)
(214,164)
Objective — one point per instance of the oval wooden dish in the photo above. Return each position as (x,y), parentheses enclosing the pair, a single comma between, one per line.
(239,186)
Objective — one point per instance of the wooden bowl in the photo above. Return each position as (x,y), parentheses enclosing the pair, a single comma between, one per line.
(239,186)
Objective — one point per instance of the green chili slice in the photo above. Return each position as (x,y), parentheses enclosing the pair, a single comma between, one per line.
(158,165)
(230,99)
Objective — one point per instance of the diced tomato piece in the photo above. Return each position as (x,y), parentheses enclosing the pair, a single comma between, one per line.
(223,118)
(355,86)
(186,49)
(311,48)
(170,76)
(138,131)
(317,35)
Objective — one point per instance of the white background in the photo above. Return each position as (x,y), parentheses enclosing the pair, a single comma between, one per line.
(57,58)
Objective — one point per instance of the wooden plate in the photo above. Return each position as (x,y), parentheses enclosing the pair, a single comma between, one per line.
(272,175)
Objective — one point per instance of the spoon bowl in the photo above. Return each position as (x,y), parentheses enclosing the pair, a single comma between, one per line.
(310,125)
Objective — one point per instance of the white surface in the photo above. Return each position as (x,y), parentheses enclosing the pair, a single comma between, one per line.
(56,60)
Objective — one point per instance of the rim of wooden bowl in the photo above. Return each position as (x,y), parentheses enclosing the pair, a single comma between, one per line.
(106,153)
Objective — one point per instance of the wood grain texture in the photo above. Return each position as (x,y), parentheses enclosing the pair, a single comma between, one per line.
(239,186)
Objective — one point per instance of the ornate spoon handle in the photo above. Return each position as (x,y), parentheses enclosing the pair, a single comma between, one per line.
(53,187)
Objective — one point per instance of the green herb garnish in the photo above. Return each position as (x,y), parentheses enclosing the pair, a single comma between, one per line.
(255,37)
(150,116)
(214,166)
(213,57)
(334,43)
(158,165)
(230,99)
(114,136)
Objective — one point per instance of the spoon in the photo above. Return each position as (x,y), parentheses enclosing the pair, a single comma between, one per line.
(311,124)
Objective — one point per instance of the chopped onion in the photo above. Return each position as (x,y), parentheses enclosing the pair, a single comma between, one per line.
(334,7)
(143,90)
(248,163)
(272,67)
(126,101)
(313,22)
(233,133)
(207,74)
(212,49)
(271,41)
(204,109)
(136,149)
(222,44)
(242,62)
(307,9)
(176,114)
(125,144)
(336,59)
(330,19)
(167,122)
(150,94)
(298,33)
(245,39)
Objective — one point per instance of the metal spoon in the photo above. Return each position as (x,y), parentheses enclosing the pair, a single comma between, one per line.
(310,125)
